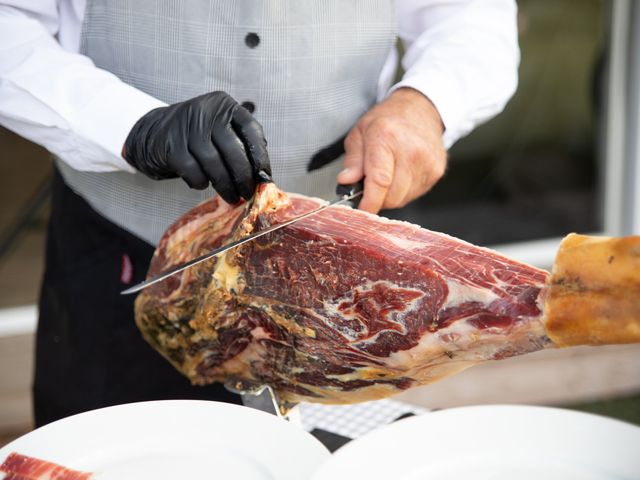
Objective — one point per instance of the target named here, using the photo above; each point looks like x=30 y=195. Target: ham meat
x=22 y=467
x=341 y=307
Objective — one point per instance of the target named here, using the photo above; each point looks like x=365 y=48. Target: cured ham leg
x=345 y=306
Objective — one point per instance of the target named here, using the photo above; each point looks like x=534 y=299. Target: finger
x=353 y=159
x=378 y=170
x=235 y=158
x=252 y=136
x=400 y=189
x=183 y=163
x=214 y=168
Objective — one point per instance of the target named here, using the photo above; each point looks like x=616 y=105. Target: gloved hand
x=207 y=139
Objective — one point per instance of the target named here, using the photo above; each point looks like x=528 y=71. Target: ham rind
x=22 y=467
x=341 y=307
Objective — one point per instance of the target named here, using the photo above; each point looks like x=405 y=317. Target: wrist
x=136 y=150
x=416 y=99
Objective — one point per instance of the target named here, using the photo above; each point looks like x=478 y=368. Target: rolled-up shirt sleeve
x=463 y=55
x=58 y=98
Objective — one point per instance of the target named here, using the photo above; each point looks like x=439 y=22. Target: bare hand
x=397 y=146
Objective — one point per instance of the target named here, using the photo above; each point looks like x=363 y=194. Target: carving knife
x=346 y=194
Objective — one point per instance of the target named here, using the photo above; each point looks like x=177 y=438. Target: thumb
x=353 y=158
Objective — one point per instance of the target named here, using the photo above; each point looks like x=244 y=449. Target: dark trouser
x=89 y=353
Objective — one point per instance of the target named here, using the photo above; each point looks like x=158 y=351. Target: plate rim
x=354 y=449
x=311 y=448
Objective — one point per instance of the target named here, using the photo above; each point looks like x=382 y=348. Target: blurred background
x=562 y=157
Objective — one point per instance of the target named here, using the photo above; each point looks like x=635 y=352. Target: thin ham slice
x=22 y=467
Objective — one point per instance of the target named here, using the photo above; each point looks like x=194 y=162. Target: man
x=144 y=103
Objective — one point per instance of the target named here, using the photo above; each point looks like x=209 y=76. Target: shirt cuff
x=113 y=111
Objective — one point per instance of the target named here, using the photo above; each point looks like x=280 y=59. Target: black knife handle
x=350 y=189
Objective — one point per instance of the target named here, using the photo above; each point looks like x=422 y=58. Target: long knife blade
x=351 y=195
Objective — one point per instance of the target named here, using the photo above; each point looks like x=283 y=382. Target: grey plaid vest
x=310 y=68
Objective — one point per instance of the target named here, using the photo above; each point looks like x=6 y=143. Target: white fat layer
x=432 y=344
x=460 y=293
x=468 y=343
x=226 y=276
x=403 y=243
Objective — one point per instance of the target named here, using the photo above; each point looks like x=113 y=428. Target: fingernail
x=344 y=171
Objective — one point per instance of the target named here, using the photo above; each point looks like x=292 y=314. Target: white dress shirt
x=462 y=54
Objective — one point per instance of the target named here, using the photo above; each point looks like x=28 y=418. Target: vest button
x=250 y=106
x=252 y=40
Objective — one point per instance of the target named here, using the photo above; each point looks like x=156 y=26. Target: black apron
x=89 y=352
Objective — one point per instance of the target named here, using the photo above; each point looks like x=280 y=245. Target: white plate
x=176 y=439
x=492 y=442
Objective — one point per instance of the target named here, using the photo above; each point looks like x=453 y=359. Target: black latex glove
x=207 y=139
